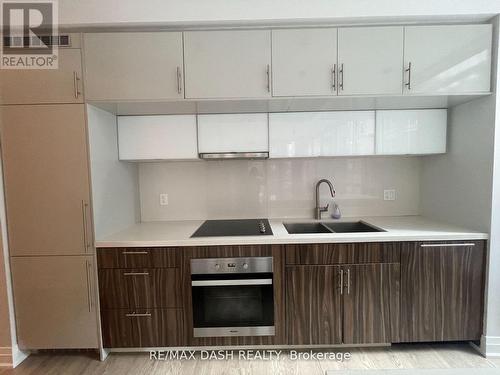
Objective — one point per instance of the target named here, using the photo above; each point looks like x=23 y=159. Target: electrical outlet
x=390 y=195
x=163 y=199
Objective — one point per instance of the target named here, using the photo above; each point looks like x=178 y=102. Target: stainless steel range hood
x=233 y=155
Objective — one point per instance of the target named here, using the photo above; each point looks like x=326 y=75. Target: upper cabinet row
x=391 y=60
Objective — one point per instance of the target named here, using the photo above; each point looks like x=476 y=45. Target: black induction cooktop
x=239 y=227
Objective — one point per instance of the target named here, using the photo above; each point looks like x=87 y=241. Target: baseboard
x=491 y=346
x=18 y=356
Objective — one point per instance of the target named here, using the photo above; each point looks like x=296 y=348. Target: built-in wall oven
x=233 y=296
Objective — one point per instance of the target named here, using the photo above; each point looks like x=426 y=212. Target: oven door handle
x=232 y=282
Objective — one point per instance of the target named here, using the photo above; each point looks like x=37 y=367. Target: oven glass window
x=233 y=306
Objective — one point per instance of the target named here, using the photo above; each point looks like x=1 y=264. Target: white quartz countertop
x=398 y=228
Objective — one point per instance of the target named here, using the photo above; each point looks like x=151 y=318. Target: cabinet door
x=447 y=59
x=228 y=64
x=309 y=134
x=370 y=60
x=313 y=305
x=157 y=137
x=442 y=288
x=55 y=302
x=371 y=303
x=241 y=133
x=46 y=177
x=402 y=132
x=304 y=62
x=130 y=66
x=61 y=85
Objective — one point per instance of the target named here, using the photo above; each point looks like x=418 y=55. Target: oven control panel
x=231 y=265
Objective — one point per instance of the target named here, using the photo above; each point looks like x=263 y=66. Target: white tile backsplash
x=278 y=187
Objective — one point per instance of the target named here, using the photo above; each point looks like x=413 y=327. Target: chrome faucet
x=318 y=210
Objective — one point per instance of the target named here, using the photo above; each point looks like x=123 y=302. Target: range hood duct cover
x=233 y=155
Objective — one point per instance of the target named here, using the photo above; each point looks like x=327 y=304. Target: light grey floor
x=414 y=359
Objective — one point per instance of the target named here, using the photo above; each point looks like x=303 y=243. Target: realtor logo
x=30 y=38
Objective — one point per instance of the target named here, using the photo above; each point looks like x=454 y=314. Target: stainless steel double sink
x=330 y=227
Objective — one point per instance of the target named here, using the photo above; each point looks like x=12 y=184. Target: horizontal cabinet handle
x=135 y=315
x=447 y=244
x=232 y=282
x=135 y=252
x=136 y=274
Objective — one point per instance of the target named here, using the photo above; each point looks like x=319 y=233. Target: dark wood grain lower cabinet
x=313 y=305
x=442 y=288
x=140 y=288
x=371 y=303
x=143 y=328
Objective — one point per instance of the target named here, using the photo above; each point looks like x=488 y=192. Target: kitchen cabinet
x=55 y=302
x=304 y=62
x=370 y=60
x=160 y=137
x=48 y=203
x=141 y=297
x=450 y=59
x=313 y=305
x=371 y=298
x=34 y=86
x=134 y=66
x=411 y=132
x=227 y=64
x=227 y=133
x=143 y=328
x=442 y=291
x=312 y=134
x=333 y=299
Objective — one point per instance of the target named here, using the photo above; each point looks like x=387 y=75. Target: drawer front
x=123 y=328
x=318 y=253
x=140 y=288
x=157 y=257
x=343 y=253
x=376 y=252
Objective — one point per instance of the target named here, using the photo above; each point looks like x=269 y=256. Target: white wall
x=115 y=190
x=174 y=12
x=277 y=188
x=456 y=186
x=493 y=283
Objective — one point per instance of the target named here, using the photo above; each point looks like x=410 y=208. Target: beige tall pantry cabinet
x=49 y=215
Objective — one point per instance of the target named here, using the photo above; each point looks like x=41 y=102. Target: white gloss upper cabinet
x=157 y=137
x=233 y=133
x=133 y=66
x=304 y=62
x=311 y=134
x=402 y=132
x=447 y=59
x=228 y=64
x=370 y=60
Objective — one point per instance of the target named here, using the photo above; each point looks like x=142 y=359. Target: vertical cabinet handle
x=408 y=84
x=341 y=77
x=76 y=80
x=334 y=81
x=179 y=78
x=86 y=242
x=90 y=293
x=341 y=281
x=348 y=281
x=268 y=75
